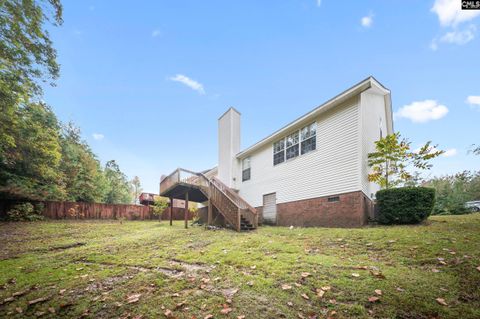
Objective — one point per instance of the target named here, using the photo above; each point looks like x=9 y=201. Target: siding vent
x=333 y=199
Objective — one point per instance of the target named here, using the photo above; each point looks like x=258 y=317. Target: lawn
x=102 y=269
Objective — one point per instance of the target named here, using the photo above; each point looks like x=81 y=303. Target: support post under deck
x=209 y=216
x=186 y=210
x=171 y=211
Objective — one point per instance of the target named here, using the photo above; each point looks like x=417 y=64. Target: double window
x=246 y=169
x=297 y=143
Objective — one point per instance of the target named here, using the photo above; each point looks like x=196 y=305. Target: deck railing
x=181 y=175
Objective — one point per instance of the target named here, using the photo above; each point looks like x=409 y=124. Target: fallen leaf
x=286 y=287
x=168 y=313
x=326 y=288
x=19 y=310
x=241 y=317
x=226 y=311
x=441 y=301
x=373 y=299
x=305 y=274
x=297 y=284
x=250 y=283
x=355 y=275
x=320 y=293
x=179 y=305
x=38 y=300
x=253 y=267
x=435 y=270
x=208 y=317
x=133 y=298
x=478 y=268
x=377 y=274
x=304 y=296
x=290 y=304
x=378 y=292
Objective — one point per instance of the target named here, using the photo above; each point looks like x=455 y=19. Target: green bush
x=405 y=205
x=25 y=212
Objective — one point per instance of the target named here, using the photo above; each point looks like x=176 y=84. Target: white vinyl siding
x=373 y=121
x=332 y=168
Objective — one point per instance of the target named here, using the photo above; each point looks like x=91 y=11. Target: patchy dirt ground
x=104 y=269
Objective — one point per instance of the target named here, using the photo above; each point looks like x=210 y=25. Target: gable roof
x=358 y=88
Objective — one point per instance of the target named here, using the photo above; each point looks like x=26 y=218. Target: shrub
x=406 y=205
x=25 y=212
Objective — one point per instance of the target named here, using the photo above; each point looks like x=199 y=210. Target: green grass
x=193 y=272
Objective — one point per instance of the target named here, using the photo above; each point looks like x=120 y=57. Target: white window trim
x=284 y=139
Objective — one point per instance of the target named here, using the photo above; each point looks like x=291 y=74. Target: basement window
x=279 y=152
x=333 y=199
x=246 y=169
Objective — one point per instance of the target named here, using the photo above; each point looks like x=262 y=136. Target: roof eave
x=345 y=95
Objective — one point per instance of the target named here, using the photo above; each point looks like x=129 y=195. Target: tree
x=83 y=176
x=475 y=149
x=392 y=158
x=160 y=204
x=26 y=57
x=119 y=190
x=137 y=188
x=32 y=169
x=454 y=190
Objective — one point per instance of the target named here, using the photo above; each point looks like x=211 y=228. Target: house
x=312 y=172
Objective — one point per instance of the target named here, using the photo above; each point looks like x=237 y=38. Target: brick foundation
x=352 y=210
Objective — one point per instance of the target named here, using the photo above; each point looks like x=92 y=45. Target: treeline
x=452 y=191
x=48 y=160
x=41 y=158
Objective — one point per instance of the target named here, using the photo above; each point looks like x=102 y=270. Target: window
x=298 y=143
x=292 y=146
x=279 y=152
x=333 y=199
x=309 y=138
x=246 y=169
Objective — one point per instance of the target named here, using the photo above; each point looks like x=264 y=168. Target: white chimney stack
x=228 y=145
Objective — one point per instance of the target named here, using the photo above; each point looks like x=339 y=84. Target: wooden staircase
x=237 y=212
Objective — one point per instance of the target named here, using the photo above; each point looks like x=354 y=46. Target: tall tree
x=27 y=58
x=83 y=176
x=119 y=190
x=137 y=188
x=32 y=170
x=393 y=157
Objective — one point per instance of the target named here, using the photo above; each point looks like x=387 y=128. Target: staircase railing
x=247 y=211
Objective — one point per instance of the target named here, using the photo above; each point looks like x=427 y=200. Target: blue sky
x=147 y=82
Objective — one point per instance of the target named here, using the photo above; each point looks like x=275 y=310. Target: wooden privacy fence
x=77 y=210
x=74 y=210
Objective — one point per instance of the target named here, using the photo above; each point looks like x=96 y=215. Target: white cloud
x=474 y=101
x=450 y=152
x=459 y=37
x=98 y=136
x=194 y=85
x=450 y=13
x=422 y=111
x=367 y=21
x=319 y=3
x=447 y=153
x=156 y=33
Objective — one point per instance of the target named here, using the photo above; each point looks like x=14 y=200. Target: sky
x=146 y=82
